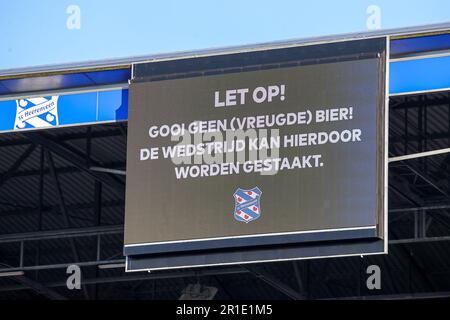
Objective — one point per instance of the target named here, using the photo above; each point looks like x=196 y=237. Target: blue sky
x=34 y=32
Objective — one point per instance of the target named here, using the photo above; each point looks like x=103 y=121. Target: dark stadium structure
x=62 y=197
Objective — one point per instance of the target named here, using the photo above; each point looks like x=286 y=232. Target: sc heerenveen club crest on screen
x=246 y=204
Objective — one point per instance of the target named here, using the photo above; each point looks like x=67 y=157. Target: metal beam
x=144 y=277
x=62 y=170
x=432 y=184
x=73 y=207
x=419 y=155
x=63 y=265
x=437 y=102
x=420 y=240
x=8 y=174
x=109 y=170
x=39 y=288
x=407 y=195
x=66 y=137
x=400 y=138
x=426 y=179
x=275 y=283
x=421 y=208
x=400 y=296
x=118 y=229
x=61 y=233
x=76 y=160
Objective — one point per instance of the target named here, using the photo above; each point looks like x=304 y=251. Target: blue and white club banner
x=36 y=112
x=33 y=113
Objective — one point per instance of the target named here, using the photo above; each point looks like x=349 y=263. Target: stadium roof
x=56 y=209
x=119 y=63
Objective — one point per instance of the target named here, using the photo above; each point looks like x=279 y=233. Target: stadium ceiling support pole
x=98 y=222
x=295 y=265
x=77 y=161
x=61 y=204
x=275 y=283
x=406 y=130
x=40 y=204
x=88 y=146
x=405 y=254
x=63 y=209
x=41 y=187
x=122 y=130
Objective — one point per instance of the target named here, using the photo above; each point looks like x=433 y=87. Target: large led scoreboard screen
x=276 y=162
